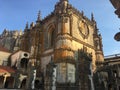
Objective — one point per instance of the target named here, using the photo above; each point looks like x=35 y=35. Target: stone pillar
x=5 y=78
x=63 y=44
x=31 y=75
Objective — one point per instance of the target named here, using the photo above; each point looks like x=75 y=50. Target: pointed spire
x=96 y=26
x=26 y=27
x=96 y=29
x=92 y=17
x=39 y=16
x=32 y=25
x=64 y=6
x=82 y=13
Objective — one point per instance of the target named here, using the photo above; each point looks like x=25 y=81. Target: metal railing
x=112 y=56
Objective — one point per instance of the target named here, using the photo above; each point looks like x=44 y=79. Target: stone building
x=4 y=55
x=63 y=48
x=55 y=43
x=107 y=75
x=11 y=39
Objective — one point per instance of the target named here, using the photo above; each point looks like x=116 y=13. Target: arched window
x=52 y=38
x=51 y=33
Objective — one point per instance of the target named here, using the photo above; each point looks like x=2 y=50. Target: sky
x=15 y=13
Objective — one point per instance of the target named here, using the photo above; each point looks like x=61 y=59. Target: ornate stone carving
x=83 y=28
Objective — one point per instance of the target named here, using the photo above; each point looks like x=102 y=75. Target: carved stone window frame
x=51 y=34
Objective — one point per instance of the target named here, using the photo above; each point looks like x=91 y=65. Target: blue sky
x=15 y=13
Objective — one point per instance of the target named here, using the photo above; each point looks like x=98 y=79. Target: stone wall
x=11 y=39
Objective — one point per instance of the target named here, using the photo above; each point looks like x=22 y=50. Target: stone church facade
x=63 y=50
x=58 y=38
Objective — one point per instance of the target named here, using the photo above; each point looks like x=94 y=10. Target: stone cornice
x=65 y=49
x=47 y=17
x=70 y=60
x=64 y=36
x=82 y=42
x=99 y=52
x=71 y=8
x=79 y=14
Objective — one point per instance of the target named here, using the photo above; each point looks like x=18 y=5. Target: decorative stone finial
x=32 y=25
x=92 y=17
x=82 y=13
x=26 y=27
x=96 y=29
x=39 y=16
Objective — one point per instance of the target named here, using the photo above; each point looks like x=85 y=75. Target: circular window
x=25 y=54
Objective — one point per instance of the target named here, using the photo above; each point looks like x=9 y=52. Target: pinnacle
x=92 y=17
x=26 y=26
x=39 y=16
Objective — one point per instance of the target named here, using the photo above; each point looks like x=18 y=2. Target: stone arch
x=51 y=34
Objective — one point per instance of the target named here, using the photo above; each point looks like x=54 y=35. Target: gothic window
x=51 y=37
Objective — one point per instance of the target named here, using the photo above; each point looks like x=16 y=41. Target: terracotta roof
x=6 y=69
x=4 y=49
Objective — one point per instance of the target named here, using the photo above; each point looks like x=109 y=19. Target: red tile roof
x=3 y=49
x=6 y=69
